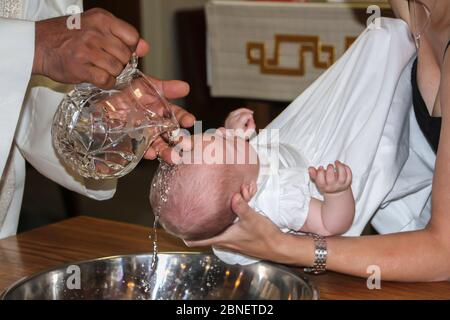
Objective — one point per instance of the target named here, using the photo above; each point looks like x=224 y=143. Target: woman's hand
x=171 y=90
x=253 y=235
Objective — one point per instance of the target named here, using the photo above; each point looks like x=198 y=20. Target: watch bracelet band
x=320 y=255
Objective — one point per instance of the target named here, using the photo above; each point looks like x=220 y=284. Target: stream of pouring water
x=155 y=244
x=162 y=183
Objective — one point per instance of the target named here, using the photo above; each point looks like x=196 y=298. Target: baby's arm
x=334 y=215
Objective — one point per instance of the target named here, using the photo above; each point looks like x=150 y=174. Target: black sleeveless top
x=430 y=126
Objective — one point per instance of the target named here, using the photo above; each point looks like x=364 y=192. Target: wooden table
x=87 y=238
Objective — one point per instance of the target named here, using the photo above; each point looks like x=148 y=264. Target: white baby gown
x=357 y=112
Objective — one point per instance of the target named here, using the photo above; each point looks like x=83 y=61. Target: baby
x=363 y=121
x=193 y=199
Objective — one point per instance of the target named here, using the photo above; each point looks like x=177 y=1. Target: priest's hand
x=95 y=53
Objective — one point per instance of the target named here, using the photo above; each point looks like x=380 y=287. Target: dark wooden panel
x=127 y=10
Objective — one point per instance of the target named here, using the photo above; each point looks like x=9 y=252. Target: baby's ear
x=249 y=190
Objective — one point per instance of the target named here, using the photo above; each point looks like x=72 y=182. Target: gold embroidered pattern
x=308 y=44
x=257 y=54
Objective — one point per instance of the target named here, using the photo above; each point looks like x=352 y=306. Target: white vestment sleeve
x=47 y=9
x=34 y=132
x=35 y=143
x=16 y=64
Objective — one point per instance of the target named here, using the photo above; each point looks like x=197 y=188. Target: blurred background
x=207 y=48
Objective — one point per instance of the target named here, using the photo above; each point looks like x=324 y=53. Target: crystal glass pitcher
x=103 y=134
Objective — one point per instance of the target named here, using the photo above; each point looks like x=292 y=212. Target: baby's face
x=209 y=149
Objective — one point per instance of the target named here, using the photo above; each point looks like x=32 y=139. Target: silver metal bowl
x=178 y=276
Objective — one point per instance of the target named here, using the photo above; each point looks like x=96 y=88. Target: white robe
x=27 y=112
x=358 y=112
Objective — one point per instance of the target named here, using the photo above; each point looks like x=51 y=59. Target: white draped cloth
x=358 y=112
x=27 y=111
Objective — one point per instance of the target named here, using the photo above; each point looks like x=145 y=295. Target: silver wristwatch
x=320 y=255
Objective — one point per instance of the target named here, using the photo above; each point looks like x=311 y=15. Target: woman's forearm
x=415 y=256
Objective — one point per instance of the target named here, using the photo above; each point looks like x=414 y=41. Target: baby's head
x=193 y=199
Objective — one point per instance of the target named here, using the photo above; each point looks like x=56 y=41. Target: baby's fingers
x=342 y=173
x=313 y=173
x=330 y=175
x=320 y=180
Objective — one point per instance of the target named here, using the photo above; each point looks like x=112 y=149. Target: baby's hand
x=241 y=121
x=332 y=180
